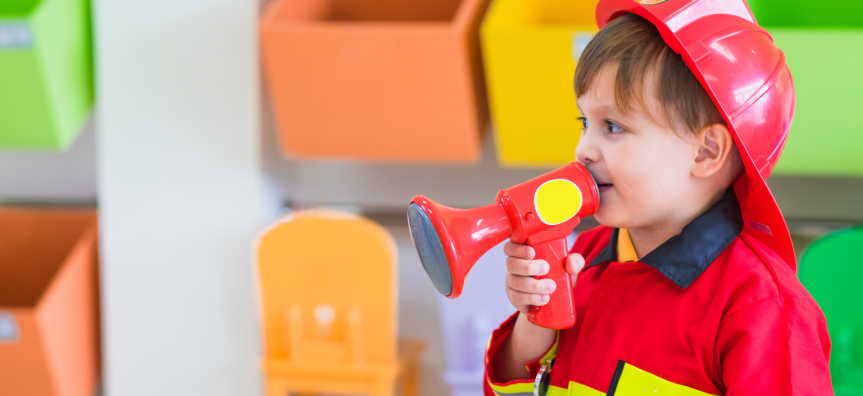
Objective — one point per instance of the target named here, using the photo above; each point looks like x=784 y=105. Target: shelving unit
x=190 y=168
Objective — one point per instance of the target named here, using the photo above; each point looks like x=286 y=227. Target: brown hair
x=635 y=46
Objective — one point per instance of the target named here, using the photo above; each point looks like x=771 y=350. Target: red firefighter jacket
x=710 y=311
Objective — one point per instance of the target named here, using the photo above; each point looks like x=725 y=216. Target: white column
x=181 y=195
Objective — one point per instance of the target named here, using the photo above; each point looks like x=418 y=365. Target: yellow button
x=557 y=201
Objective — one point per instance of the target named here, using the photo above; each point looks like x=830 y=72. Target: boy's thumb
x=574 y=263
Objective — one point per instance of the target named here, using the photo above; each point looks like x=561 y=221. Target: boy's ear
x=714 y=145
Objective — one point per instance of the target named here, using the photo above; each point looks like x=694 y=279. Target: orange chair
x=329 y=298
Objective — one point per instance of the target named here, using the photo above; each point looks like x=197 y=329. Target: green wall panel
x=808 y=13
x=827 y=132
x=823 y=45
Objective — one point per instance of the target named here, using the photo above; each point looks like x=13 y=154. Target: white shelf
x=389 y=187
x=51 y=177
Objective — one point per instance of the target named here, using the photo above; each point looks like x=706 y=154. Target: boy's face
x=643 y=169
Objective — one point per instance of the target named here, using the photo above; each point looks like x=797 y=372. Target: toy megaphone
x=540 y=212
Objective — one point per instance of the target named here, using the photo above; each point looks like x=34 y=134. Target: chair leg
x=383 y=388
x=277 y=387
x=410 y=379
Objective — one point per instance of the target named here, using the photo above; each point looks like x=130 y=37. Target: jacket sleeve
x=778 y=346
x=491 y=387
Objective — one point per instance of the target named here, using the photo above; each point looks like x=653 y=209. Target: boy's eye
x=614 y=128
x=583 y=121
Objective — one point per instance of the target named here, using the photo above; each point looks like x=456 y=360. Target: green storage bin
x=46 y=83
x=832 y=271
x=823 y=44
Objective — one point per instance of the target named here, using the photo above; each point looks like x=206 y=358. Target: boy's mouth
x=604 y=186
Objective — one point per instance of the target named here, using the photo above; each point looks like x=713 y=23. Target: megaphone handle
x=559 y=312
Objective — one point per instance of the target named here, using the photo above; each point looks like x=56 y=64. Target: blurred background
x=161 y=161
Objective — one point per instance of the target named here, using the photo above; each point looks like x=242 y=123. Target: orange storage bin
x=49 y=343
x=388 y=80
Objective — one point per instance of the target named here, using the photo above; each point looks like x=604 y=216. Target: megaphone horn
x=449 y=241
x=540 y=212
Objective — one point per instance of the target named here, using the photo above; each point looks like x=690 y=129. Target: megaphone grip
x=559 y=312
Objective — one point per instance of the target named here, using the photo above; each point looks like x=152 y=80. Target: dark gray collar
x=685 y=256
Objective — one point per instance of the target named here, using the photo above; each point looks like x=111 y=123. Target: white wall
x=181 y=195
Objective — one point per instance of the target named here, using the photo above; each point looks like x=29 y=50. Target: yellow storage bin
x=530 y=49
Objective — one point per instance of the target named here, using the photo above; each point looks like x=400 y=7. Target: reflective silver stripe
x=540 y=384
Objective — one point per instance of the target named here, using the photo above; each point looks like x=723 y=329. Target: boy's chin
x=607 y=218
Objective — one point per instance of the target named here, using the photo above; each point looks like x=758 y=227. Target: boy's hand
x=521 y=288
x=527 y=341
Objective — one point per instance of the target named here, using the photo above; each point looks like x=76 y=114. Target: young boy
x=688 y=287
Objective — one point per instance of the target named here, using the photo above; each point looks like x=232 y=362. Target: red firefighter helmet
x=746 y=76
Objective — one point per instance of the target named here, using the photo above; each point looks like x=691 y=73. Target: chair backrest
x=832 y=271
x=333 y=275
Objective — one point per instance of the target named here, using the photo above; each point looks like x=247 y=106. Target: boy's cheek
x=612 y=212
x=623 y=209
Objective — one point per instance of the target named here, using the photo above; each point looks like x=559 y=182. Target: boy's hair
x=635 y=46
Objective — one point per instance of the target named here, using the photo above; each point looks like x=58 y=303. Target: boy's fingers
x=518 y=250
x=520 y=298
x=517 y=266
x=515 y=299
x=574 y=263
x=527 y=284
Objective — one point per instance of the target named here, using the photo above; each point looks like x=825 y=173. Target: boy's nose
x=586 y=151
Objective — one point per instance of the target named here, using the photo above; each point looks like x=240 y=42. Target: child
x=688 y=287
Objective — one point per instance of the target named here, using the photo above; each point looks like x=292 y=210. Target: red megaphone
x=540 y=212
